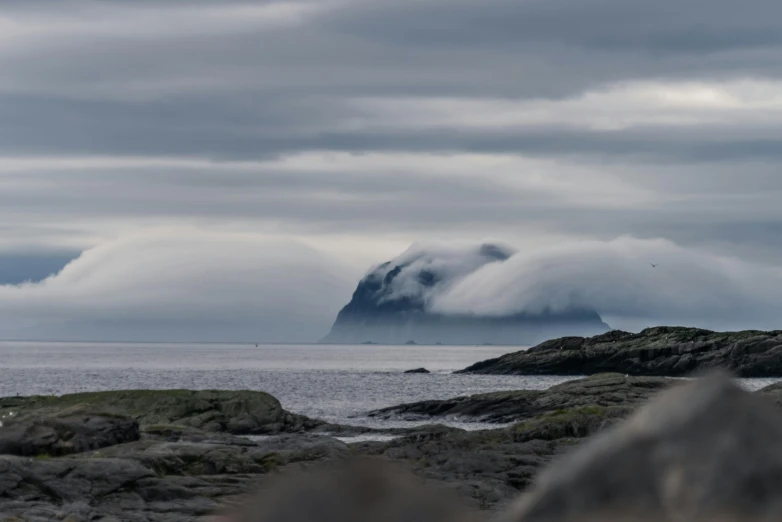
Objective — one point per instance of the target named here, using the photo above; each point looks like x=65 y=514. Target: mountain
x=396 y=302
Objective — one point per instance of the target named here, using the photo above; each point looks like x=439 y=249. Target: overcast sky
x=330 y=135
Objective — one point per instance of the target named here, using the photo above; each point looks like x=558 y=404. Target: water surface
x=337 y=383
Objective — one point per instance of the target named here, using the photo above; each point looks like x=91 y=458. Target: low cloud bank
x=189 y=285
x=616 y=278
x=180 y=285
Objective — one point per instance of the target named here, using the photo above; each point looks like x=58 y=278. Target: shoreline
x=228 y=442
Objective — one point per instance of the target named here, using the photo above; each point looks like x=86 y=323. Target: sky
x=202 y=170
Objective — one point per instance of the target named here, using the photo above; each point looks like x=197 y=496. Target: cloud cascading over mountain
x=394 y=303
x=184 y=284
x=469 y=293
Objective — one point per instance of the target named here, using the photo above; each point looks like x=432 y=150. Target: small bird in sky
x=653 y=265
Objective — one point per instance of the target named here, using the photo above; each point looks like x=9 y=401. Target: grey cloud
x=185 y=285
x=275 y=90
x=697 y=26
x=168 y=81
x=688 y=287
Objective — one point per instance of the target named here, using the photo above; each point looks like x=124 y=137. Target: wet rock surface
x=663 y=351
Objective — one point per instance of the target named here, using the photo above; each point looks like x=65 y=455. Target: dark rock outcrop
x=598 y=391
x=668 y=351
x=55 y=436
x=418 y=370
x=702 y=452
x=379 y=312
x=238 y=412
x=151 y=480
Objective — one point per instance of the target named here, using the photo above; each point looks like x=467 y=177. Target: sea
x=336 y=383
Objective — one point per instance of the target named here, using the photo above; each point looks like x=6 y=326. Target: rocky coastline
x=180 y=455
x=659 y=351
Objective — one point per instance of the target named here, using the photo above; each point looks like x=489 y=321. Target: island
x=391 y=305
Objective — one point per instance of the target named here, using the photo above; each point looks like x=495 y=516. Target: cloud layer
x=616 y=278
x=357 y=127
x=182 y=285
x=187 y=285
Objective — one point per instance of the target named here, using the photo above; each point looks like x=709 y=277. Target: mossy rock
x=237 y=412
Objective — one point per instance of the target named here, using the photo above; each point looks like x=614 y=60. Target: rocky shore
x=662 y=351
x=186 y=455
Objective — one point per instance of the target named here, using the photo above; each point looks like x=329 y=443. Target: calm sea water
x=334 y=383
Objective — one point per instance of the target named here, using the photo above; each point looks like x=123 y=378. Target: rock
x=152 y=479
x=702 y=452
x=54 y=436
x=491 y=467
x=355 y=491
x=238 y=412
x=418 y=370
x=602 y=390
x=390 y=306
x=655 y=351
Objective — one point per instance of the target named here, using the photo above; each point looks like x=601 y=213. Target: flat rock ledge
x=660 y=351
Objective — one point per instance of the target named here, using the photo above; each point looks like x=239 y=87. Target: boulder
x=418 y=370
x=706 y=451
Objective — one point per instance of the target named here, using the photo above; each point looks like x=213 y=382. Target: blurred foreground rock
x=355 y=491
x=708 y=451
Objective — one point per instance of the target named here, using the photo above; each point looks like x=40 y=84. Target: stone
x=707 y=451
x=418 y=370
